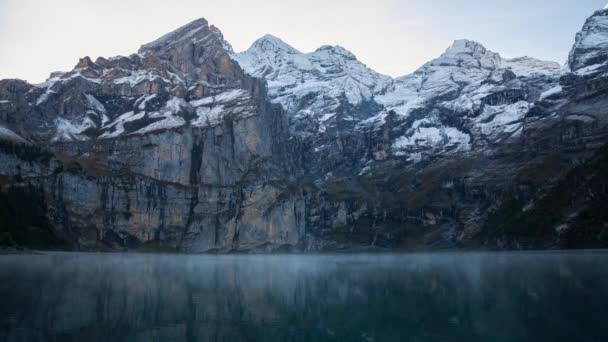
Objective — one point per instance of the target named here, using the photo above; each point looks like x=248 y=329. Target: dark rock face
x=178 y=148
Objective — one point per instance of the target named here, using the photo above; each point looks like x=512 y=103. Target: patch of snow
x=95 y=104
x=403 y=96
x=8 y=134
x=174 y=105
x=555 y=90
x=230 y=95
x=50 y=82
x=580 y=117
x=365 y=171
x=457 y=138
x=118 y=124
x=144 y=100
x=526 y=66
x=373 y=122
x=71 y=131
x=426 y=133
x=79 y=75
x=413 y=157
x=327 y=117
x=167 y=115
x=139 y=76
x=502 y=119
x=202 y=102
x=104 y=120
x=44 y=96
x=222 y=98
x=168 y=122
x=424 y=136
x=175 y=77
x=208 y=116
x=588 y=70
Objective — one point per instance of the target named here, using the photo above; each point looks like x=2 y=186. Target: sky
x=393 y=37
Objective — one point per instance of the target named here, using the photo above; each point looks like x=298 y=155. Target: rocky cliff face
x=189 y=146
x=173 y=147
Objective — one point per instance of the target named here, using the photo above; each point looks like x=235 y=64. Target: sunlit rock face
x=189 y=146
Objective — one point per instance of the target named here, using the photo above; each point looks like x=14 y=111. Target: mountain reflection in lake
x=426 y=297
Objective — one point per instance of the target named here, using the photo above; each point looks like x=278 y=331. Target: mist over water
x=414 y=297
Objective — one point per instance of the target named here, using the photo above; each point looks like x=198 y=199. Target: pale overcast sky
x=391 y=36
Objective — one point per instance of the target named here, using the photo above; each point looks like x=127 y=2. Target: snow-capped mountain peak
x=272 y=43
x=335 y=50
x=184 y=78
x=329 y=88
x=467 y=53
x=466 y=46
x=315 y=84
x=591 y=44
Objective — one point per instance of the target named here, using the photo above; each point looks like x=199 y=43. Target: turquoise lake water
x=408 y=297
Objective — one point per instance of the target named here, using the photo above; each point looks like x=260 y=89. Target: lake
x=554 y=296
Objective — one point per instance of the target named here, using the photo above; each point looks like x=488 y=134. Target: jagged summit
x=144 y=92
x=184 y=32
x=272 y=43
x=313 y=87
x=336 y=50
x=471 y=54
x=465 y=45
x=467 y=53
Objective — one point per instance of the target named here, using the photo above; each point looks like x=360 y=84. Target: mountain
x=320 y=90
x=174 y=147
x=465 y=100
x=189 y=146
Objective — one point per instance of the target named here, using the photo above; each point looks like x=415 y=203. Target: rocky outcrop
x=188 y=146
x=173 y=148
x=589 y=49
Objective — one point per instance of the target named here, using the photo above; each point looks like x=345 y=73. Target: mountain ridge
x=189 y=146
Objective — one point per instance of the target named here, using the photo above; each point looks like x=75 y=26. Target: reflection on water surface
x=415 y=297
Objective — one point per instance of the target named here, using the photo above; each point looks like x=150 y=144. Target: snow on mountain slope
x=447 y=93
x=461 y=78
x=452 y=92
x=469 y=96
x=185 y=77
x=591 y=45
x=188 y=77
x=527 y=66
x=314 y=85
x=152 y=101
